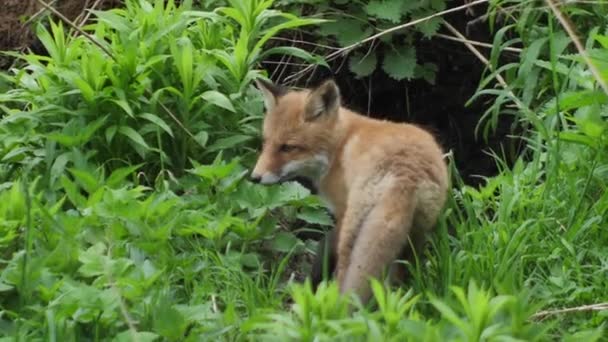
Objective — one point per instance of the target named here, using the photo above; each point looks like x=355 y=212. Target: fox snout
x=258 y=175
x=265 y=178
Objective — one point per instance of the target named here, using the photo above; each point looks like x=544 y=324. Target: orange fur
x=385 y=182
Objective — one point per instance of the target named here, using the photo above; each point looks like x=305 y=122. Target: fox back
x=385 y=182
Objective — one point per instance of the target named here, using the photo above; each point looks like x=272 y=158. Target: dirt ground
x=17 y=16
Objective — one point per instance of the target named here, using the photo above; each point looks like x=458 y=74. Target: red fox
x=385 y=182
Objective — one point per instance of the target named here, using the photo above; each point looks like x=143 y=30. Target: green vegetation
x=350 y=22
x=125 y=213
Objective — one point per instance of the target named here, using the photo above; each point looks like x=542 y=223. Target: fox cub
x=385 y=182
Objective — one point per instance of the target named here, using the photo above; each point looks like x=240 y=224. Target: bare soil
x=17 y=26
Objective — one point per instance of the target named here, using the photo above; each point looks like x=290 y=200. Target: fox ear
x=270 y=91
x=323 y=101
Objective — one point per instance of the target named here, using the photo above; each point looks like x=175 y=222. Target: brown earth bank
x=16 y=16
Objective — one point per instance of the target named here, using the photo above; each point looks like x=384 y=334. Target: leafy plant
x=95 y=246
x=352 y=21
x=157 y=83
x=322 y=316
x=126 y=247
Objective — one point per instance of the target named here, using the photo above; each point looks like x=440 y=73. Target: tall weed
x=159 y=84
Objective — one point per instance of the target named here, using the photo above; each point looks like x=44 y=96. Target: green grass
x=115 y=224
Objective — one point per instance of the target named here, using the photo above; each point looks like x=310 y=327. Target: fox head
x=297 y=132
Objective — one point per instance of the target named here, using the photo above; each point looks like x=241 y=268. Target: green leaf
x=169 y=322
x=218 y=99
x=284 y=242
x=427 y=71
x=589 y=121
x=385 y=9
x=87 y=92
x=251 y=260
x=5 y=287
x=448 y=313
x=88 y=182
x=125 y=106
x=296 y=52
x=578 y=138
x=229 y=142
x=201 y=138
x=93 y=260
x=72 y=191
x=114 y=20
x=315 y=216
x=603 y=40
x=110 y=133
x=400 y=63
x=141 y=336
x=429 y=27
x=576 y=99
x=120 y=174
x=15 y=154
x=59 y=166
x=133 y=135
x=158 y=122
x=346 y=31
x=65 y=139
x=363 y=65
x=292 y=23
x=286 y=193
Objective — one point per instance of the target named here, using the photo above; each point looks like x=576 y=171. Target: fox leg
x=398 y=272
x=347 y=230
x=383 y=235
x=430 y=199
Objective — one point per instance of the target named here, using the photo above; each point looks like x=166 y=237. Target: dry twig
x=347 y=49
x=485 y=61
x=88 y=12
x=36 y=15
x=577 y=42
x=582 y=308
x=75 y=27
x=474 y=42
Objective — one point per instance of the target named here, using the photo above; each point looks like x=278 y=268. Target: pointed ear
x=323 y=101
x=270 y=91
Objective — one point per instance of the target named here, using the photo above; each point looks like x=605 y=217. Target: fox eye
x=285 y=148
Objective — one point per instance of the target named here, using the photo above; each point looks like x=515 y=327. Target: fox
x=386 y=183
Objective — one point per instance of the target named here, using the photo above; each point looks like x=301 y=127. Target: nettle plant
x=155 y=83
x=70 y=274
x=352 y=21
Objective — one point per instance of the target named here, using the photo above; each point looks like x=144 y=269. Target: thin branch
x=37 y=14
x=347 y=49
x=476 y=43
x=174 y=117
x=582 y=308
x=506 y=11
x=328 y=47
x=284 y=63
x=485 y=61
x=476 y=52
x=88 y=12
x=579 y=46
x=84 y=9
x=75 y=27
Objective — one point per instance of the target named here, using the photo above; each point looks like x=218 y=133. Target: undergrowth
x=125 y=212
